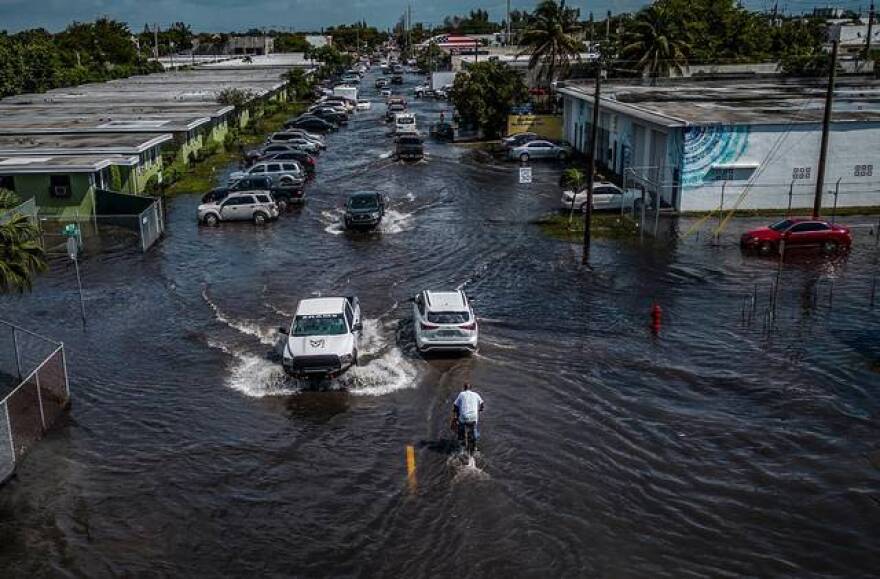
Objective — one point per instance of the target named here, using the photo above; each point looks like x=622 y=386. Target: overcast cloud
x=229 y=15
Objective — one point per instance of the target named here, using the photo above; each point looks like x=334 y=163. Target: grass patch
x=201 y=176
x=604 y=226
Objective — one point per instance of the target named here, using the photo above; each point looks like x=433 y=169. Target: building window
x=801 y=173
x=863 y=171
x=7 y=182
x=59 y=186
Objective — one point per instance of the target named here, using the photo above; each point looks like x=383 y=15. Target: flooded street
x=718 y=448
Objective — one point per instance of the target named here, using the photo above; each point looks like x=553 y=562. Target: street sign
x=525 y=175
x=70 y=230
x=72 y=247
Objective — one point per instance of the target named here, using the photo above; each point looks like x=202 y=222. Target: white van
x=405 y=124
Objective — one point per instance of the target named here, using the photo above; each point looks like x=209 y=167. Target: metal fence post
x=66 y=377
x=836 y=193
x=642 y=219
x=17 y=352
x=40 y=399
x=790 y=195
x=657 y=212
x=9 y=432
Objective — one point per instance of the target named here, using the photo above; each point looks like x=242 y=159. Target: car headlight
x=346 y=358
x=374 y=215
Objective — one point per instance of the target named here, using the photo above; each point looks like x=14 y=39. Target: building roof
x=58 y=164
x=746 y=102
x=115 y=110
x=89 y=144
x=35 y=124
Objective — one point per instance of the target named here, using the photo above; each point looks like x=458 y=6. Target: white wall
x=777 y=151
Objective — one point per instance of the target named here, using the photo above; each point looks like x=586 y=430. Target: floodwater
x=724 y=446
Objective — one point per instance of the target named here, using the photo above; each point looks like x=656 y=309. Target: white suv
x=256 y=206
x=605 y=196
x=323 y=337
x=444 y=321
x=405 y=124
x=282 y=173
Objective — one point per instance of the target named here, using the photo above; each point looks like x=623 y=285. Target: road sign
x=72 y=247
x=525 y=174
x=70 y=230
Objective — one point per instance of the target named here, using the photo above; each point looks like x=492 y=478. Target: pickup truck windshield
x=320 y=325
x=364 y=203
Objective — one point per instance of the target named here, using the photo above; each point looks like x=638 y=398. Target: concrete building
x=62 y=186
x=698 y=144
x=146 y=147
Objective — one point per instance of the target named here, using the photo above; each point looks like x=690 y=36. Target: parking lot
x=739 y=441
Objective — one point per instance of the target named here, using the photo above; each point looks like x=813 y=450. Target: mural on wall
x=708 y=145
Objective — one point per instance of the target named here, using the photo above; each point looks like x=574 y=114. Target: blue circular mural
x=708 y=145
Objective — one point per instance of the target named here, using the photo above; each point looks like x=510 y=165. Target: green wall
x=37 y=185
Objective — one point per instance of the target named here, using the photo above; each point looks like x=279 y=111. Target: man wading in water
x=466 y=416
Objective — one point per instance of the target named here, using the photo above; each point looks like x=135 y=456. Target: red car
x=797 y=233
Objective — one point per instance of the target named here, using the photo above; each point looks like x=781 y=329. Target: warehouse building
x=705 y=145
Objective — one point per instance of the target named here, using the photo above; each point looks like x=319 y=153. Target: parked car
x=286 y=174
x=256 y=206
x=364 y=210
x=539 y=149
x=317 y=139
x=284 y=195
x=518 y=139
x=312 y=116
x=409 y=148
x=312 y=124
x=444 y=321
x=322 y=340
x=332 y=107
x=443 y=132
x=405 y=124
x=363 y=105
x=605 y=196
x=290 y=137
x=306 y=161
x=382 y=82
x=393 y=111
x=797 y=233
x=396 y=100
x=330 y=114
x=303 y=144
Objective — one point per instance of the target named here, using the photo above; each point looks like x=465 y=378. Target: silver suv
x=256 y=206
x=284 y=174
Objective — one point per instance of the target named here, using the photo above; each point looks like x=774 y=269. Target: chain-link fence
x=34 y=391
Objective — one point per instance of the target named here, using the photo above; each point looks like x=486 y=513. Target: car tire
x=212 y=220
x=830 y=247
x=260 y=218
x=765 y=248
x=282 y=205
x=524 y=157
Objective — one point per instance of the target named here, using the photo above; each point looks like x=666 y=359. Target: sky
x=237 y=15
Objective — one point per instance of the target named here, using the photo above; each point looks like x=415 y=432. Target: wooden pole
x=591 y=162
x=826 y=129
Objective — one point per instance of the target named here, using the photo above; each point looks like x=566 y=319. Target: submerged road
x=714 y=449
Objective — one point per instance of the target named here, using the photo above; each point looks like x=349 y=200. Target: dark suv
x=409 y=148
x=284 y=196
x=364 y=210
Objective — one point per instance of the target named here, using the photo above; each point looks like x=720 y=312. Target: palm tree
x=21 y=255
x=575 y=179
x=657 y=43
x=549 y=40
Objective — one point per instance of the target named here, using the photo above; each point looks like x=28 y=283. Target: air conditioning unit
x=61 y=191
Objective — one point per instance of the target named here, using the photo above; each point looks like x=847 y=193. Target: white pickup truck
x=323 y=338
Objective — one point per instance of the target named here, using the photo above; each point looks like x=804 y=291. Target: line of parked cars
x=276 y=173
x=324 y=336
x=524 y=147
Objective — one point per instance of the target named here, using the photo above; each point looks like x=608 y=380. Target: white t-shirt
x=468 y=404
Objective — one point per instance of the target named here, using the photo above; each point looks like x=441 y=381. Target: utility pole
x=507 y=40
x=591 y=162
x=870 y=30
x=826 y=129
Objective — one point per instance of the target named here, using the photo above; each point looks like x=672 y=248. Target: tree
x=299 y=82
x=575 y=179
x=432 y=58
x=656 y=42
x=550 y=41
x=21 y=256
x=484 y=95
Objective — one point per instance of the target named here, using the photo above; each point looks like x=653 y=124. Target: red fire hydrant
x=656 y=317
